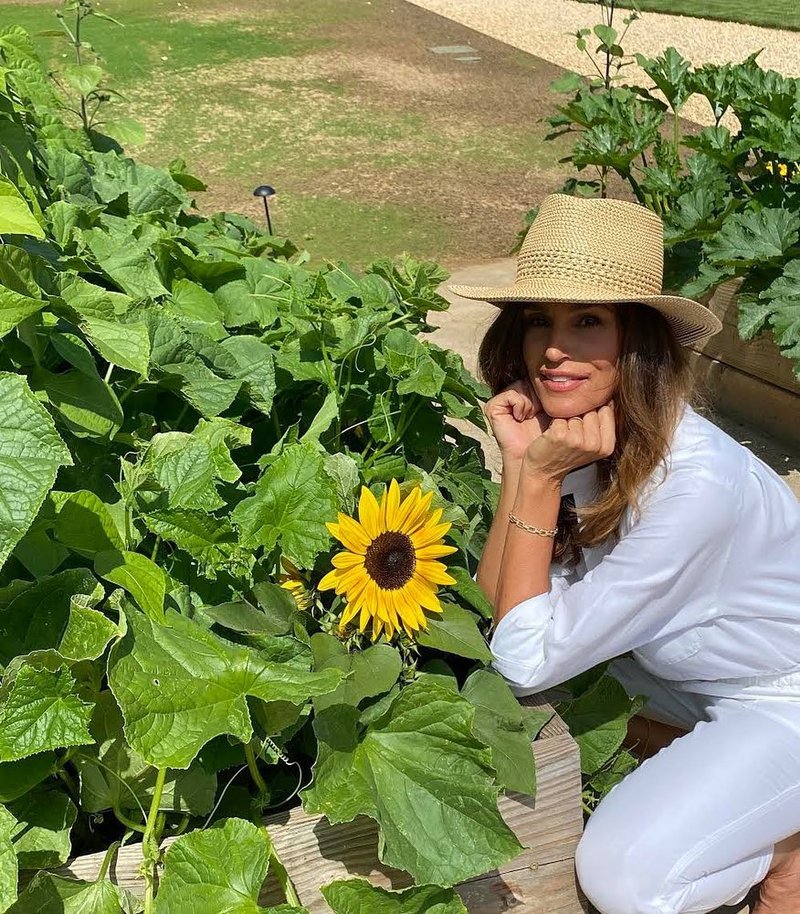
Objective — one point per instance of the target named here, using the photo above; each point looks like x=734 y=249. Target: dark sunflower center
x=390 y=560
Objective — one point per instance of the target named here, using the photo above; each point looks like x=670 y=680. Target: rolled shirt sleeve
x=657 y=580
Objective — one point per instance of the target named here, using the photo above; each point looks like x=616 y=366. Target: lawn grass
x=375 y=145
x=775 y=14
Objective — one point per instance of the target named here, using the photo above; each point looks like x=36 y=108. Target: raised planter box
x=541 y=880
x=750 y=380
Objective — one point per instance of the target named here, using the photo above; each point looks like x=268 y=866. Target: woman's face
x=574 y=339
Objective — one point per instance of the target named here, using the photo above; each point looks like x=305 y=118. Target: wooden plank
x=315 y=852
x=735 y=393
x=759 y=358
x=549 y=889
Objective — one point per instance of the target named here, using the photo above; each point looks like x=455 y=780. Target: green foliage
x=730 y=202
x=185 y=406
x=352 y=896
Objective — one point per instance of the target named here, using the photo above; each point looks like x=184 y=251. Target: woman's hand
x=571 y=443
x=516 y=418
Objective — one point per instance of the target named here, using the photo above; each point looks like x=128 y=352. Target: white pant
x=694 y=826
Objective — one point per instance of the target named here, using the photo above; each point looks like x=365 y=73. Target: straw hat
x=597 y=250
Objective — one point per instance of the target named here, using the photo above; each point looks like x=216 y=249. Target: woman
x=681 y=560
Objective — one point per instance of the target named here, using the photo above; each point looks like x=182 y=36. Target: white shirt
x=703 y=588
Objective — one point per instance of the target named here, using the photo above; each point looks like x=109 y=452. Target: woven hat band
x=574 y=267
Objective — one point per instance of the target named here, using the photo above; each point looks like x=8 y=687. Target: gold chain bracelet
x=540 y=530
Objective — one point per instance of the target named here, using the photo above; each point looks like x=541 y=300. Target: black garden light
x=265 y=191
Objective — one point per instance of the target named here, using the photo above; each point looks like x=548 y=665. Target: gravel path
x=540 y=27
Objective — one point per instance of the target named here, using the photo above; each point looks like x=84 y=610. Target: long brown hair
x=654 y=380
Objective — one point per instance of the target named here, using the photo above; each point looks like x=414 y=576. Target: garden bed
x=541 y=880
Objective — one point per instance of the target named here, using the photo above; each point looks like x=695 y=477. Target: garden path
x=542 y=28
x=462 y=327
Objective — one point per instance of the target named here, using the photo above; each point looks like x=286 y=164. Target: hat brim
x=691 y=321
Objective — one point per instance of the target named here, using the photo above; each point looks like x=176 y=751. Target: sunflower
x=388 y=571
x=292 y=580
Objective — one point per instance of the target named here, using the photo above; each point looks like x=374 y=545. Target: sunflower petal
x=351 y=559
x=392 y=505
x=435 y=572
x=330 y=580
x=418 y=516
x=423 y=594
x=408 y=506
x=369 y=513
x=435 y=551
x=427 y=536
x=349 y=613
x=353 y=535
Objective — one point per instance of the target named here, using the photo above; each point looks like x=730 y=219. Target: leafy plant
x=187 y=411
x=730 y=202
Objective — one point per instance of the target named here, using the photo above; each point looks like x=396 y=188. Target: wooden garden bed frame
x=541 y=880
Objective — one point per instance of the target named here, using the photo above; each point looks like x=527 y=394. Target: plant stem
x=128 y=823
x=150 y=841
x=252 y=764
x=277 y=867
x=110 y=368
x=107 y=861
x=157 y=543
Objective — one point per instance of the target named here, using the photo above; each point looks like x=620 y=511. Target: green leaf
x=373 y=671
x=598 y=721
x=355 y=896
x=113 y=776
x=407 y=359
x=219 y=869
x=209 y=540
x=255 y=366
x=751 y=238
x=179 y=686
x=83 y=78
x=455 y=631
x=418 y=770
x=45 y=817
x=8 y=860
x=125 y=130
x=88 y=407
x=84 y=523
x=49 y=893
x=31 y=452
x=42 y=711
x=102 y=315
x=42 y=615
x=17 y=778
x=128 y=261
x=15 y=215
x=292 y=501
x=506 y=727
x=136 y=574
x=467 y=588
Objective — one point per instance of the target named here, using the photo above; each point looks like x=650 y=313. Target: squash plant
x=730 y=201
x=191 y=421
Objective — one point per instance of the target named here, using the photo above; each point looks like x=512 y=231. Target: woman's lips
x=562 y=387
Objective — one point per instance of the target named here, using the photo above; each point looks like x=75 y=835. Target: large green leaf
x=179 y=685
x=31 y=452
x=113 y=776
x=88 y=407
x=598 y=721
x=49 y=893
x=8 y=860
x=216 y=871
x=357 y=896
x=751 y=238
x=292 y=501
x=137 y=574
x=85 y=523
x=17 y=778
x=370 y=672
x=455 y=631
x=407 y=359
x=418 y=770
x=56 y=613
x=42 y=710
x=45 y=817
x=102 y=315
x=506 y=727
x=15 y=215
